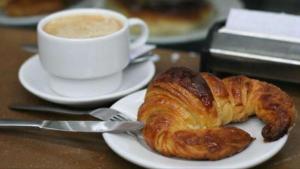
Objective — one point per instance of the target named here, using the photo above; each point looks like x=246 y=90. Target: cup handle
x=143 y=37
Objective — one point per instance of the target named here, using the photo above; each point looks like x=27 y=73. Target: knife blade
x=77 y=126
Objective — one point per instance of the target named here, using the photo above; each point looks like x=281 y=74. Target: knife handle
x=20 y=123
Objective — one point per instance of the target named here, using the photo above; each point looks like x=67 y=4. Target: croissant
x=184 y=113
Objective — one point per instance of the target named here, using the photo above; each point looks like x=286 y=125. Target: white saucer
x=130 y=149
x=34 y=79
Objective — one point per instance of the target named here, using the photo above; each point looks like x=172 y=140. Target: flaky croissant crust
x=184 y=112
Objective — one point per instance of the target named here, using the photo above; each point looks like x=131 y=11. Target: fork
x=100 y=113
x=123 y=117
x=137 y=133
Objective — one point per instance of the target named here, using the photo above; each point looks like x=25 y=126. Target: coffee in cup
x=83 y=26
x=84 y=51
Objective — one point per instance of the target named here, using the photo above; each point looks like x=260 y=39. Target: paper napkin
x=278 y=26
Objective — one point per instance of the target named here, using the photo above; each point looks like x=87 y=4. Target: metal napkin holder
x=252 y=56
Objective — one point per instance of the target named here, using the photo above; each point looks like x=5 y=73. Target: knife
x=77 y=126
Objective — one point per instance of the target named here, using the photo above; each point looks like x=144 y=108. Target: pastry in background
x=3 y=3
x=32 y=7
x=166 y=17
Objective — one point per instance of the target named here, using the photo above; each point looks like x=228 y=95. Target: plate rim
x=66 y=100
x=257 y=161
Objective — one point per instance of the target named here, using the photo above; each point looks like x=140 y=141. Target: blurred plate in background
x=222 y=8
x=175 y=21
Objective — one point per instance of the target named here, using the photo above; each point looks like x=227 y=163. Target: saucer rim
x=62 y=99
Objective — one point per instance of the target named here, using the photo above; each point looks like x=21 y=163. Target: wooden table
x=34 y=149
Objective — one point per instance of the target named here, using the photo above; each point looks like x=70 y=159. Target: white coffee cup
x=90 y=66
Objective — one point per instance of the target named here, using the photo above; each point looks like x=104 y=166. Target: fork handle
x=49 y=109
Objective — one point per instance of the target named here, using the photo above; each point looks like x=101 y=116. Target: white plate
x=32 y=20
x=34 y=79
x=130 y=149
x=222 y=8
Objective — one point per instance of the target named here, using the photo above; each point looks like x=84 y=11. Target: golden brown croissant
x=183 y=113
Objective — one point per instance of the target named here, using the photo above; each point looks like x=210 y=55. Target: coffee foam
x=83 y=26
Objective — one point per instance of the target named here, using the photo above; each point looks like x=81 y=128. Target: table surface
x=20 y=148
